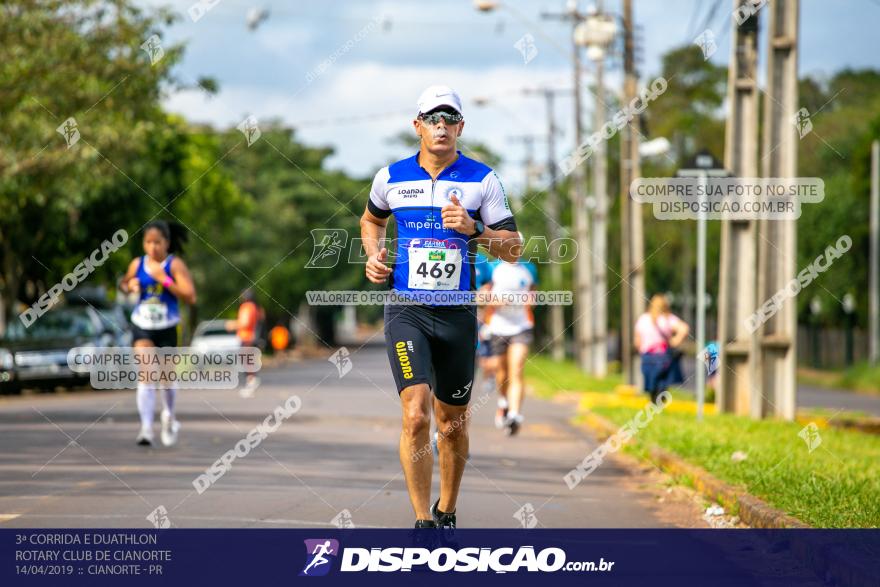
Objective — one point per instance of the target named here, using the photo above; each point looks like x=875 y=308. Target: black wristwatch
x=479 y=227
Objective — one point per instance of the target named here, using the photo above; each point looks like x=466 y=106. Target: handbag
x=673 y=353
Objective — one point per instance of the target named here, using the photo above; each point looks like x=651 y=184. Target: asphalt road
x=70 y=460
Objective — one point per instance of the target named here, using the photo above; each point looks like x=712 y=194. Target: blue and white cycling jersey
x=427 y=255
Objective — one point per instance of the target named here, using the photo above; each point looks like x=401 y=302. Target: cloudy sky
x=347 y=73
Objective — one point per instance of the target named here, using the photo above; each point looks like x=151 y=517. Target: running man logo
x=526 y=516
x=153 y=48
x=802 y=122
x=327 y=247
x=159 y=518
x=810 y=435
x=403 y=357
x=526 y=47
x=437 y=256
x=341 y=359
x=343 y=520
x=70 y=131
x=709 y=357
x=250 y=128
x=320 y=553
x=706 y=42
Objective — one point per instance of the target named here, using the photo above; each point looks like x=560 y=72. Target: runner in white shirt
x=511 y=326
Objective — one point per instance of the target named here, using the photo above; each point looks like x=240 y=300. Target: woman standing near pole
x=658 y=334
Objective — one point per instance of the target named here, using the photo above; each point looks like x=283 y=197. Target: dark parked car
x=37 y=356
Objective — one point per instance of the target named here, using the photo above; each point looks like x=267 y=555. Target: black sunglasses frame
x=433 y=118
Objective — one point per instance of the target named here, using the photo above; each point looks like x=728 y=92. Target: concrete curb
x=751 y=510
x=817 y=550
x=864 y=425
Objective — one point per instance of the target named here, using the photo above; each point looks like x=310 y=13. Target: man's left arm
x=499 y=235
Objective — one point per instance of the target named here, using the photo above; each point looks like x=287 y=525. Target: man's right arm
x=372 y=232
x=373 y=223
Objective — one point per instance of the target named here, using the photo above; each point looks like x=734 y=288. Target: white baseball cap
x=435 y=96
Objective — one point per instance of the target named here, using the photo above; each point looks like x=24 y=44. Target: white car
x=211 y=335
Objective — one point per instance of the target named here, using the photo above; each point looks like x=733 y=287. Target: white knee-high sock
x=146 y=402
x=169 y=396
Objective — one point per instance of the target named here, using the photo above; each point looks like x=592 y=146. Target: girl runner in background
x=512 y=329
x=162 y=279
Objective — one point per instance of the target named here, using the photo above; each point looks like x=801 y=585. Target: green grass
x=547 y=377
x=861 y=377
x=837 y=485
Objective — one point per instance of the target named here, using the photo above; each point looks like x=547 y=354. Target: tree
x=77 y=59
x=288 y=194
x=845 y=114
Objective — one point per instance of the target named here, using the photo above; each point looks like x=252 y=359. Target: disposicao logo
x=320 y=554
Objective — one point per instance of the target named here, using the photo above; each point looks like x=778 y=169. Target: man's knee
x=416 y=423
x=416 y=417
x=454 y=430
x=452 y=426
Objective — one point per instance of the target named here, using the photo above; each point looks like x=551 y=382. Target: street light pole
x=583 y=262
x=596 y=32
x=557 y=318
x=583 y=321
x=631 y=248
x=703 y=167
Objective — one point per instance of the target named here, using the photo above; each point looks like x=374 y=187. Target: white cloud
x=384 y=96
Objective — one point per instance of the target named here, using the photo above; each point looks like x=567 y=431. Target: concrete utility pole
x=600 y=221
x=596 y=33
x=551 y=206
x=739 y=388
x=583 y=294
x=777 y=245
x=631 y=238
x=874 y=258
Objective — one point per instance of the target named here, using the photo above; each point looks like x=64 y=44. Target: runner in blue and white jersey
x=161 y=279
x=444 y=204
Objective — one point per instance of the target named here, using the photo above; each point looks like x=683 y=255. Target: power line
x=694 y=12
x=710 y=15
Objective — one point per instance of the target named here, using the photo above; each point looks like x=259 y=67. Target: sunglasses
x=435 y=117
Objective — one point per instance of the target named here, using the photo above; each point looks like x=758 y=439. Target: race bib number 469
x=434 y=264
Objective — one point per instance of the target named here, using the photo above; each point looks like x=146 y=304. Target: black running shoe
x=442 y=519
x=421 y=524
x=512 y=424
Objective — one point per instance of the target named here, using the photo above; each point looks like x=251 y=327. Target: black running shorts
x=433 y=345
x=500 y=344
x=160 y=338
